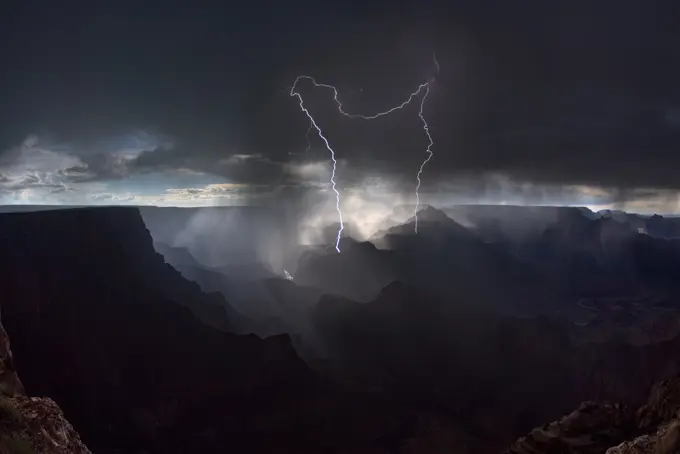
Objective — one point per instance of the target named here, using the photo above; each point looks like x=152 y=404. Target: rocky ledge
x=600 y=428
x=36 y=425
x=30 y=425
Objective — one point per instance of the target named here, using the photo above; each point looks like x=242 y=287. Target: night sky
x=187 y=103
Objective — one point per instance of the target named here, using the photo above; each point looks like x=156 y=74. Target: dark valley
x=466 y=345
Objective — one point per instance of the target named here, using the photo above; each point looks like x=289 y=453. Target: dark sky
x=545 y=91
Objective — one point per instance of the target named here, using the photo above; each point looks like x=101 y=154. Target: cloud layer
x=536 y=101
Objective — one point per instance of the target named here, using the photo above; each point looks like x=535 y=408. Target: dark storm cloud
x=545 y=91
x=237 y=168
x=41 y=163
x=611 y=141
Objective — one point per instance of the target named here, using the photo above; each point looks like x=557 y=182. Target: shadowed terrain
x=452 y=341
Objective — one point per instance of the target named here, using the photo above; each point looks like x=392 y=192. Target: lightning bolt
x=428 y=150
x=312 y=122
x=424 y=86
x=363 y=117
x=430 y=144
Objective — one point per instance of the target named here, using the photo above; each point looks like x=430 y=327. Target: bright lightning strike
x=428 y=151
x=430 y=144
x=335 y=163
x=364 y=117
x=425 y=86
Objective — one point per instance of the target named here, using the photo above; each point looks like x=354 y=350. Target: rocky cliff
x=30 y=424
x=107 y=250
x=599 y=428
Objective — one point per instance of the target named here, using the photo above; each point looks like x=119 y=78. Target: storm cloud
x=541 y=96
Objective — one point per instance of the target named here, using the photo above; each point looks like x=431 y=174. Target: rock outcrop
x=666 y=440
x=590 y=429
x=613 y=429
x=36 y=425
x=30 y=424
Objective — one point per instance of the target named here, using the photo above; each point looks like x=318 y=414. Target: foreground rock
x=612 y=429
x=590 y=429
x=30 y=424
x=666 y=440
x=36 y=425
